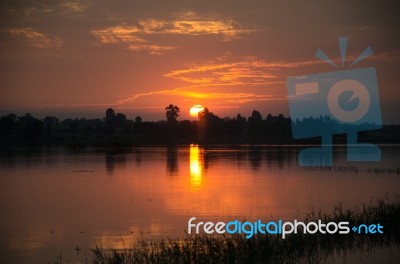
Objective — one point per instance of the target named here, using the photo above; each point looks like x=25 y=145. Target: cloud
x=36 y=38
x=152 y=49
x=251 y=71
x=235 y=98
x=74 y=6
x=136 y=96
x=248 y=72
x=118 y=34
x=135 y=37
x=34 y=11
x=129 y=36
x=193 y=27
x=240 y=75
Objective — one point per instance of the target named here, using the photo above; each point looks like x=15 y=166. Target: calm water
x=55 y=200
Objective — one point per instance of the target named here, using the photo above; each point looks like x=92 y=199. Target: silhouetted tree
x=32 y=127
x=87 y=130
x=233 y=128
x=185 y=130
x=172 y=113
x=114 y=122
x=26 y=118
x=269 y=118
x=12 y=117
x=240 y=118
x=208 y=129
x=203 y=114
x=255 y=116
x=119 y=120
x=7 y=123
x=138 y=119
x=211 y=126
x=49 y=122
x=128 y=128
x=73 y=126
x=255 y=125
x=110 y=115
x=108 y=129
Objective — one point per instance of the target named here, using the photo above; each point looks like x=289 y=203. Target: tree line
x=115 y=129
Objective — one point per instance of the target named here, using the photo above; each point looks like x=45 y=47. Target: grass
x=296 y=248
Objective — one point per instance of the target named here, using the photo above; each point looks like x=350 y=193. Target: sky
x=78 y=58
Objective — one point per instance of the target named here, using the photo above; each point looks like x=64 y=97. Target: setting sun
x=194 y=111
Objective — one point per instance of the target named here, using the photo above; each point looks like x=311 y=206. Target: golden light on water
x=194 y=111
x=196 y=169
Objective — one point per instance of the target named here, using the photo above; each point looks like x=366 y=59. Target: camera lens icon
x=358 y=90
x=332 y=103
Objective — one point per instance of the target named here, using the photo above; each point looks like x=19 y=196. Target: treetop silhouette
x=172 y=113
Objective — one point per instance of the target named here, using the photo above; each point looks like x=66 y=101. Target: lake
x=55 y=200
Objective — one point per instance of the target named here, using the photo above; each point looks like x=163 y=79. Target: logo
x=325 y=104
x=279 y=227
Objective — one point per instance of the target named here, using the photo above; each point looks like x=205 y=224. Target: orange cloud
x=226 y=28
x=73 y=6
x=218 y=97
x=239 y=74
x=135 y=36
x=231 y=98
x=248 y=72
x=118 y=34
x=33 y=11
x=36 y=38
x=136 y=96
x=152 y=49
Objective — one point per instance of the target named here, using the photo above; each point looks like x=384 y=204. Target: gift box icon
x=337 y=102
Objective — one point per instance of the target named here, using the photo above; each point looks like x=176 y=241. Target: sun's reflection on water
x=196 y=167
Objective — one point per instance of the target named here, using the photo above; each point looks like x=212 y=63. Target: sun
x=194 y=111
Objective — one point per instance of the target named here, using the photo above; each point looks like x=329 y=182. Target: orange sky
x=77 y=58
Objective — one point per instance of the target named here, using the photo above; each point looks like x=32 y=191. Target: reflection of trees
x=113 y=159
x=110 y=162
x=281 y=156
x=255 y=157
x=240 y=156
x=172 y=160
x=138 y=156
